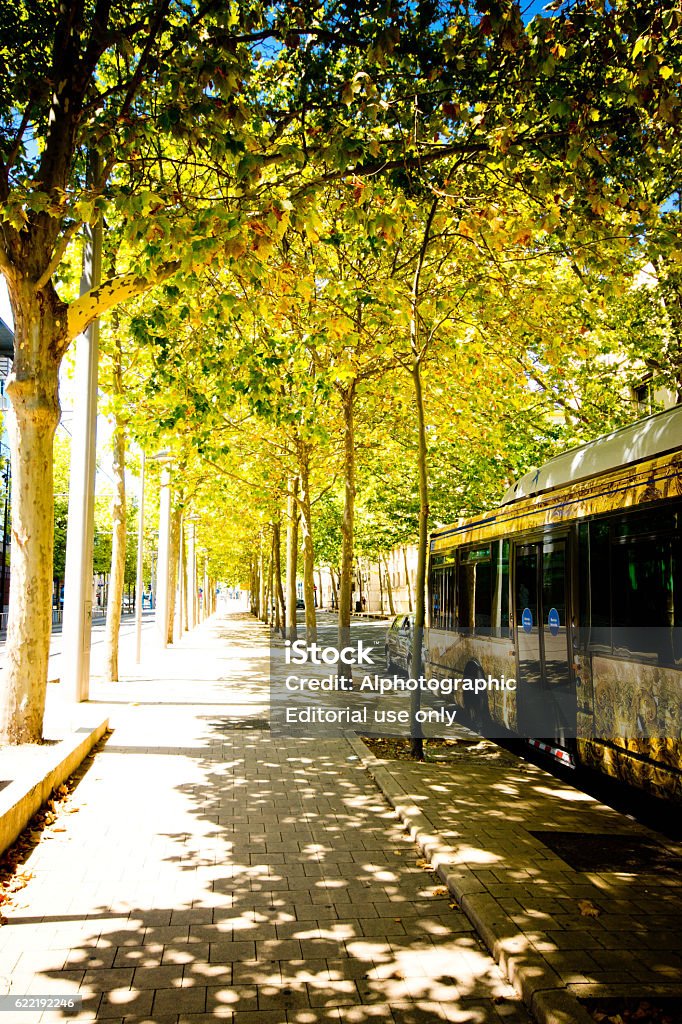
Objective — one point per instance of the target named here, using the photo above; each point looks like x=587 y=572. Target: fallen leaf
x=588 y=909
x=440 y=890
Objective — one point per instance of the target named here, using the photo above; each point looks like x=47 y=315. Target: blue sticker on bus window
x=527 y=619
x=553 y=621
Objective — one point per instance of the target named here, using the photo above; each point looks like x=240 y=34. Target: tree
x=163 y=102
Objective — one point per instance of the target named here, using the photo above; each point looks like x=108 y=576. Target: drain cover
x=596 y=851
x=242 y=725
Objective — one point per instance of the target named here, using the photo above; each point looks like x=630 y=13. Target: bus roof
x=645 y=439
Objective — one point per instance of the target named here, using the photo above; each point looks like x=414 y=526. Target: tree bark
x=407 y=581
x=183 y=579
x=262 y=578
x=418 y=352
x=279 y=590
x=389 y=588
x=420 y=604
x=272 y=600
x=381 y=588
x=335 y=591
x=292 y=558
x=348 y=522
x=39 y=332
x=118 y=538
x=308 y=546
x=255 y=589
x=176 y=516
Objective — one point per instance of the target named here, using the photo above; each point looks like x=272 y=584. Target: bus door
x=546 y=691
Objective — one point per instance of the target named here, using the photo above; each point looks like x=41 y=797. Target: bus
x=572 y=590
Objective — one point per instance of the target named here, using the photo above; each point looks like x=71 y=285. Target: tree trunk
x=191 y=576
x=40 y=328
x=389 y=588
x=292 y=558
x=183 y=580
x=279 y=591
x=320 y=597
x=118 y=537
x=262 y=591
x=308 y=547
x=272 y=601
x=381 y=588
x=418 y=353
x=335 y=592
x=173 y=554
x=348 y=523
x=407 y=581
x=255 y=589
x=417 y=668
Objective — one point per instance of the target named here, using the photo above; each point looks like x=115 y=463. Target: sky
x=66 y=384
x=5 y=311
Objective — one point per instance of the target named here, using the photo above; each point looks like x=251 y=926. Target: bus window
x=631 y=581
x=599 y=578
x=647 y=583
x=527 y=587
x=443 y=597
x=466 y=580
x=500 y=588
x=483 y=597
x=475 y=575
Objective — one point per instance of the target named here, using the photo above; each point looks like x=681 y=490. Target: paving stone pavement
x=204 y=870
x=597 y=930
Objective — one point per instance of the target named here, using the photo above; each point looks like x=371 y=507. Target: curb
x=20 y=800
x=540 y=987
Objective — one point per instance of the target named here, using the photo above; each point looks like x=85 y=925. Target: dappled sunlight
x=255 y=873
x=564 y=793
x=473 y=855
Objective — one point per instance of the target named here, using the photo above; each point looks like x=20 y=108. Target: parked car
x=398 y=645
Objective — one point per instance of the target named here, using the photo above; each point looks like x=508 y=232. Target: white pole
x=78 y=577
x=162 y=564
x=139 y=583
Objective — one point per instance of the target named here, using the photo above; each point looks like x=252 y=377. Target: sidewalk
x=203 y=870
x=575 y=899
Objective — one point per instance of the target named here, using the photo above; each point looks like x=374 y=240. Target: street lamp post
x=77 y=623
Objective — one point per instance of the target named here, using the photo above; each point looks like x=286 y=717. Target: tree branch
x=59 y=250
x=98 y=300
x=16 y=146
